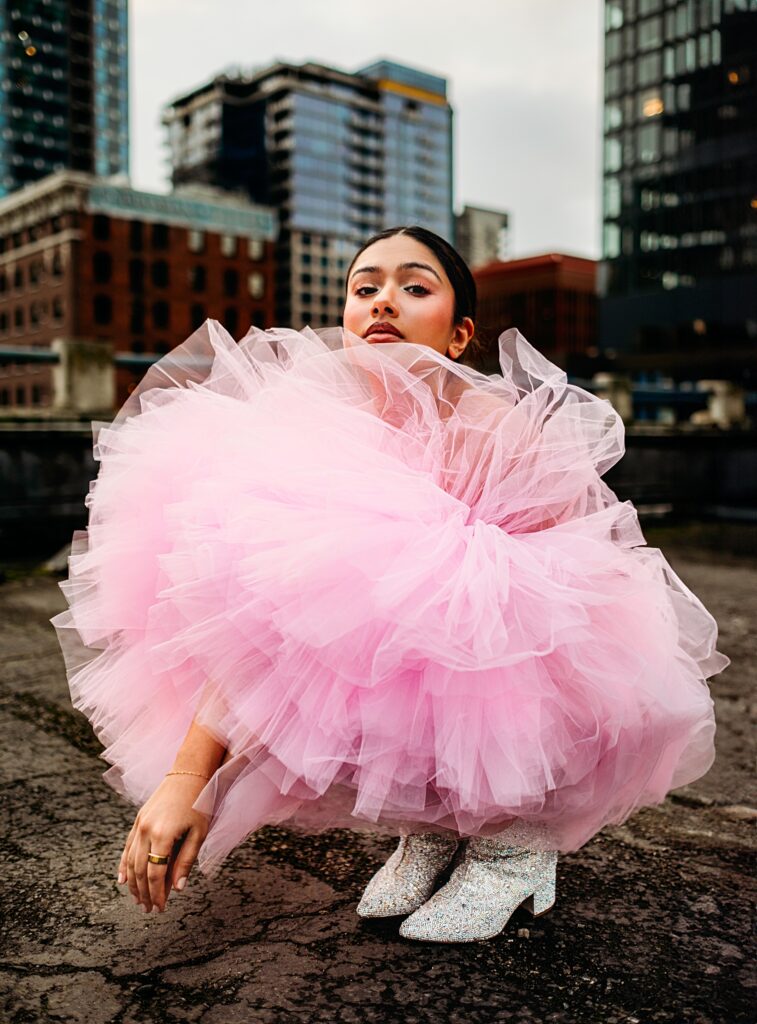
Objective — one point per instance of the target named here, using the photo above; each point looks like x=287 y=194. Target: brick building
x=81 y=257
x=551 y=299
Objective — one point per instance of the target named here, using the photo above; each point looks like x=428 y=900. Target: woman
x=339 y=579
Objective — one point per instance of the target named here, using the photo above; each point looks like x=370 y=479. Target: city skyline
x=542 y=88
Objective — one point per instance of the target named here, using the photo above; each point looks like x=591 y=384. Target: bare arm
x=167 y=825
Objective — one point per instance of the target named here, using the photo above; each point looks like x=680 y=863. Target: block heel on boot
x=542 y=900
x=483 y=892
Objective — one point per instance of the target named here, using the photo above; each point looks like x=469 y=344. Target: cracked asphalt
x=651 y=924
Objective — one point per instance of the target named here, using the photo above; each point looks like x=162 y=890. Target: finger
x=142 y=848
x=131 y=868
x=168 y=878
x=123 y=864
x=186 y=857
x=156 y=875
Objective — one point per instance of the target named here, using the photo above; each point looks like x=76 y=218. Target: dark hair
x=454 y=266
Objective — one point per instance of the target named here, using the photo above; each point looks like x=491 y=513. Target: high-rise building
x=340 y=155
x=481 y=235
x=64 y=98
x=679 y=277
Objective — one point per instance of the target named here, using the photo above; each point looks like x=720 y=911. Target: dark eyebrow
x=365 y=270
x=419 y=266
x=402 y=266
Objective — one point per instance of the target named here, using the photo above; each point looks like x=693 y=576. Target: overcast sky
x=524 y=82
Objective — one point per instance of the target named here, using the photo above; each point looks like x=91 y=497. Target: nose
x=383 y=306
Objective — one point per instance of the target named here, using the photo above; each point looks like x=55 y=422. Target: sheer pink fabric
x=396 y=588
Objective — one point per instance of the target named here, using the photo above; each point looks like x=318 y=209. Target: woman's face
x=398 y=291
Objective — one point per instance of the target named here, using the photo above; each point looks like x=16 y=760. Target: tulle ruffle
x=396 y=589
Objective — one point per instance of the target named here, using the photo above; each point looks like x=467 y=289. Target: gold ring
x=155 y=858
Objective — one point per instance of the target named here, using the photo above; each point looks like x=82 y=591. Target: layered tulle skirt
x=397 y=590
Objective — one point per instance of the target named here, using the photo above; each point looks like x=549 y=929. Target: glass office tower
x=340 y=155
x=64 y=91
x=680 y=187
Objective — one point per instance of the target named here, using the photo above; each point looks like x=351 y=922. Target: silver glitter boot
x=493 y=879
x=407 y=879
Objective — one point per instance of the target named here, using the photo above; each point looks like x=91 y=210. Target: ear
x=462 y=334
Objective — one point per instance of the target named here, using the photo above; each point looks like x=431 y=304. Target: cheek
x=436 y=317
x=351 y=316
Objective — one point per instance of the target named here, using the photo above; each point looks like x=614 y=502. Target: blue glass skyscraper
x=64 y=92
x=340 y=155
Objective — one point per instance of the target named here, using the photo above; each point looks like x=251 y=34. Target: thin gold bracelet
x=198 y=774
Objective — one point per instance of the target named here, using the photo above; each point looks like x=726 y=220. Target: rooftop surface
x=651 y=922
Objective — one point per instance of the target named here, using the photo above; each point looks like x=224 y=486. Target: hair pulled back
x=455 y=267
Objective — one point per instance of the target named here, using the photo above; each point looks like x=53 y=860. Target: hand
x=168 y=826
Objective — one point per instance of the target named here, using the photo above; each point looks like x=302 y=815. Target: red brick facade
x=551 y=299
x=143 y=286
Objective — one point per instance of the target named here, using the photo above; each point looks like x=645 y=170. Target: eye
x=362 y=289
x=422 y=289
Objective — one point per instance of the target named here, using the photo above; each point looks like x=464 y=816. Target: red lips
x=382 y=328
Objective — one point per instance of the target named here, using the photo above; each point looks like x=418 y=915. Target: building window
x=230 y=282
x=102 y=308
x=18 y=316
x=160 y=236
x=3 y=281
x=650 y=68
x=137 y=346
x=197 y=278
x=255 y=248
x=258 y=318
x=20 y=395
x=231 y=320
x=3 y=323
x=650 y=33
x=136 y=275
x=613 y=155
x=649 y=143
x=101 y=227
x=102 y=266
x=36 y=394
x=256 y=285
x=196 y=241
x=18 y=278
x=5 y=396
x=35 y=312
x=160 y=315
x=57 y=309
x=137 y=317
x=160 y=274
x=611 y=241
x=161 y=348
x=136 y=235
x=197 y=316
x=57 y=264
x=34 y=272
x=228 y=245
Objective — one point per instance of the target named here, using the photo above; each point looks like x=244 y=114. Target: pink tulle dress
x=395 y=588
